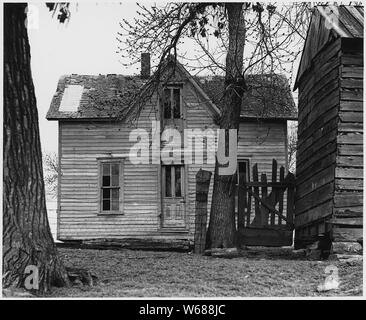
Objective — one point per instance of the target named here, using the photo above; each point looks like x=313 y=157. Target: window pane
x=106 y=169
x=106 y=193
x=167 y=104
x=115 y=180
x=106 y=205
x=115 y=205
x=110 y=180
x=106 y=175
x=106 y=181
x=115 y=194
x=176 y=103
x=168 y=180
x=115 y=169
x=243 y=167
x=178 y=182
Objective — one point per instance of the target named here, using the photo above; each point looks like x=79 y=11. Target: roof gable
x=327 y=24
x=104 y=97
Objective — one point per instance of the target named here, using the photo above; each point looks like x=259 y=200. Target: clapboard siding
x=51 y=205
x=82 y=143
x=260 y=142
x=197 y=117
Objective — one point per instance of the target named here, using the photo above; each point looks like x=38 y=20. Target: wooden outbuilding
x=329 y=169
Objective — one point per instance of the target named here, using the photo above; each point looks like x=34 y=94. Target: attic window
x=172 y=103
x=71 y=98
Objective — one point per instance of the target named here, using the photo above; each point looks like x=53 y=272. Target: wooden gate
x=270 y=222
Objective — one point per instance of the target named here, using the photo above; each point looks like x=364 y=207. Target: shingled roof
x=99 y=97
x=102 y=96
x=267 y=96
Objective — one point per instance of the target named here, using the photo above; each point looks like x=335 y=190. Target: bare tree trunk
x=222 y=231
x=27 y=238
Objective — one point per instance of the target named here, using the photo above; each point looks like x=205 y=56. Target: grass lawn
x=258 y=272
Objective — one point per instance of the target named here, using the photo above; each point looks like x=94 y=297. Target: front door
x=173 y=197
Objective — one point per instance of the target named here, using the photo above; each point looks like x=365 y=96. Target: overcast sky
x=85 y=45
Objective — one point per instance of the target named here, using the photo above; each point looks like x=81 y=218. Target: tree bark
x=27 y=238
x=222 y=232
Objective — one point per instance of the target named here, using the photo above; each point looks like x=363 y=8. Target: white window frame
x=172 y=186
x=102 y=161
x=172 y=87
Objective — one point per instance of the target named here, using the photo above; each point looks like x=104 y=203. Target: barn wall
x=348 y=205
x=317 y=141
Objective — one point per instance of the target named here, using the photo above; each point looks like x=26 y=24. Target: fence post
x=257 y=218
x=242 y=197
x=275 y=191
x=281 y=194
x=264 y=211
x=203 y=178
x=290 y=200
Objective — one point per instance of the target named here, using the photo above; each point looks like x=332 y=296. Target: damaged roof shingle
x=266 y=97
x=105 y=96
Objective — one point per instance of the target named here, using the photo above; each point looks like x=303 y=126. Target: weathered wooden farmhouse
x=102 y=194
x=329 y=173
